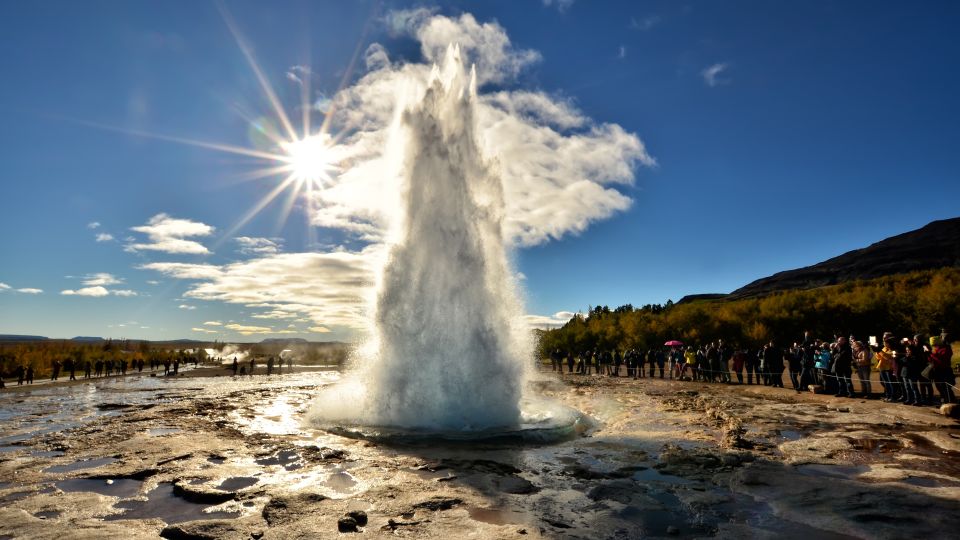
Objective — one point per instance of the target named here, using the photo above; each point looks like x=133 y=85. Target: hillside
x=937 y=245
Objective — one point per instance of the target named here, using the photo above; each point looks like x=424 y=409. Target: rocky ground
x=658 y=459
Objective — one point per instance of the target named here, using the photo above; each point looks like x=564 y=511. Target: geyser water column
x=450 y=351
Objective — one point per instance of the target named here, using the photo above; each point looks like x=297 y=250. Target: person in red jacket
x=942 y=374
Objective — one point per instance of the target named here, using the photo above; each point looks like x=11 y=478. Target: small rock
x=521 y=531
x=438 y=503
x=950 y=409
x=359 y=516
x=347 y=524
x=673 y=531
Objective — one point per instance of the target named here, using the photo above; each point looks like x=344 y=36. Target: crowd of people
x=170 y=366
x=909 y=368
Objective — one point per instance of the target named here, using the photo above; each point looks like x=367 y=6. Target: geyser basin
x=542 y=422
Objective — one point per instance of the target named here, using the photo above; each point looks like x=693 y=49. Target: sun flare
x=310 y=159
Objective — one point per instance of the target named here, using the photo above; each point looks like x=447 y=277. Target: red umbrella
x=674 y=343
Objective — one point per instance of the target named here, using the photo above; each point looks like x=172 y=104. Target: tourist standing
x=884 y=364
x=842 y=368
x=942 y=372
x=861 y=359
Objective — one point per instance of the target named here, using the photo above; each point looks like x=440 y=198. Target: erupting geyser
x=450 y=350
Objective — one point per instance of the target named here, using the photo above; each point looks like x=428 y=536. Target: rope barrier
x=730 y=373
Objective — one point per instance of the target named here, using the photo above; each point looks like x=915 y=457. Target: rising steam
x=450 y=350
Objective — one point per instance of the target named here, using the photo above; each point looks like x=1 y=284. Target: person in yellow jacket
x=689 y=359
x=886 y=357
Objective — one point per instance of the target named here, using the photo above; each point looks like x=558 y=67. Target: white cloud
x=152 y=282
x=86 y=291
x=325 y=288
x=247 y=330
x=318 y=329
x=712 y=75
x=170 y=235
x=187 y=306
x=547 y=322
x=645 y=23
x=258 y=246
x=4 y=286
x=101 y=279
x=124 y=292
x=93 y=224
x=275 y=314
x=561 y=170
x=213 y=323
x=104 y=237
x=204 y=330
x=562 y=5
x=30 y=290
x=184 y=270
x=622 y=53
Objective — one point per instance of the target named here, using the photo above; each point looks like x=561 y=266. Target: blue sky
x=774 y=135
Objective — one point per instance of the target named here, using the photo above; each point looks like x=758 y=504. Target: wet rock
x=583 y=473
x=950 y=409
x=438 y=503
x=393 y=524
x=484 y=466
x=557 y=523
x=359 y=516
x=838 y=503
x=205 y=530
x=622 y=491
x=175 y=458
x=516 y=485
x=288 y=508
x=347 y=524
x=315 y=453
x=200 y=493
x=673 y=531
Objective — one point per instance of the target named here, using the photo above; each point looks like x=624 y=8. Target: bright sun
x=309 y=159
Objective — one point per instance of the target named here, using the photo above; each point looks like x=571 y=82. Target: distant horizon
x=662 y=151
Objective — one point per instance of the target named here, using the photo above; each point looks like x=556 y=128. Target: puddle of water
x=4 y=449
x=497 y=516
x=162 y=504
x=17 y=495
x=790 y=435
x=289 y=459
x=121 y=487
x=47 y=514
x=47 y=453
x=156 y=432
x=237 y=483
x=832 y=471
x=656 y=522
x=340 y=481
x=876 y=446
x=77 y=465
x=926 y=481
